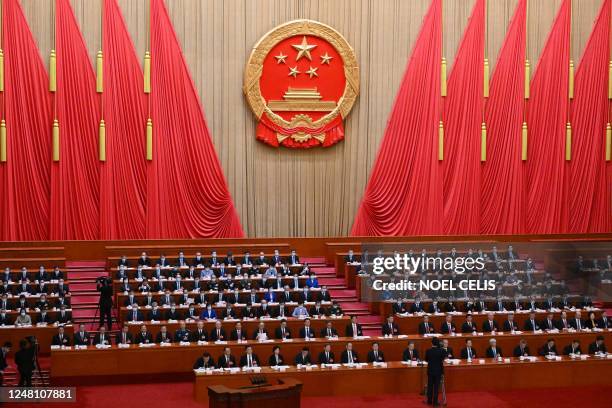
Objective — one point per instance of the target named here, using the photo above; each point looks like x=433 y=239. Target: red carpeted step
x=313 y=260
x=343 y=293
x=331 y=281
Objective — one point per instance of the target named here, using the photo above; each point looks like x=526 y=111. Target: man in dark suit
x=303 y=357
x=164 y=336
x=218 y=333
x=327 y=356
x=206 y=361
x=349 y=356
x=102 y=338
x=283 y=332
x=490 y=325
x=4 y=351
x=468 y=352
x=468 y=326
x=227 y=360
x=549 y=323
x=576 y=323
x=81 y=338
x=598 y=346
x=63 y=316
x=61 y=338
x=572 y=348
x=351 y=257
x=353 y=329
x=124 y=337
x=376 y=355
x=144 y=336
x=249 y=359
x=144 y=260
x=276 y=359
x=417 y=306
x=410 y=353
x=199 y=334
x=329 y=331
x=390 y=328
x=238 y=333
x=425 y=327
x=549 y=349
x=182 y=334
x=510 y=325
x=493 y=351
x=307 y=332
x=435 y=369
x=522 y=349
x=604 y=322
x=448 y=327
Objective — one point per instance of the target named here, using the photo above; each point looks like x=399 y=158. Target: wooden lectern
x=282 y=395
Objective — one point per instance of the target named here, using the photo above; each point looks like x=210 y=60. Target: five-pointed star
x=303 y=49
x=280 y=58
x=325 y=59
x=312 y=72
x=293 y=71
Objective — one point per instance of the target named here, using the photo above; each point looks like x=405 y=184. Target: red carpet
x=166 y=395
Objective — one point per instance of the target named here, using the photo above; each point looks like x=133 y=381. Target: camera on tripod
x=104 y=280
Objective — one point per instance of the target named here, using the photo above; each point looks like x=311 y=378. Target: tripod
x=96 y=316
x=443 y=388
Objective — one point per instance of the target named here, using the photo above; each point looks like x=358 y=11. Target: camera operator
x=24 y=359
x=6 y=348
x=104 y=286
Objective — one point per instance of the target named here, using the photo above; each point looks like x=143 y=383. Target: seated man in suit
x=124 y=336
x=522 y=350
x=447 y=349
x=327 y=356
x=390 y=328
x=135 y=315
x=549 y=323
x=410 y=353
x=598 y=346
x=294 y=259
x=499 y=305
x=144 y=336
x=238 y=333
x=398 y=307
x=376 y=355
x=532 y=324
x=549 y=349
x=307 y=332
x=490 y=325
x=261 y=334
x=5 y=318
x=164 y=336
x=604 y=322
x=303 y=357
x=493 y=351
x=349 y=356
x=227 y=360
x=156 y=314
x=318 y=310
x=510 y=324
x=206 y=361
x=61 y=338
x=448 y=327
x=276 y=359
x=102 y=338
x=144 y=260
x=218 y=333
x=249 y=359
x=353 y=329
x=425 y=327
x=417 y=306
x=468 y=326
x=563 y=323
x=283 y=332
x=592 y=322
x=199 y=334
x=468 y=352
x=576 y=323
x=572 y=348
x=44 y=317
x=81 y=338
x=329 y=331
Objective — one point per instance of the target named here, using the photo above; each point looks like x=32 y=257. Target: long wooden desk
x=250 y=326
x=410 y=324
x=44 y=334
x=114 y=362
x=398 y=377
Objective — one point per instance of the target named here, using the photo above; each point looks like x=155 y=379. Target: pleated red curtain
x=463 y=116
x=187 y=195
x=502 y=205
x=123 y=175
x=590 y=205
x=404 y=193
x=26 y=175
x=547 y=168
x=75 y=179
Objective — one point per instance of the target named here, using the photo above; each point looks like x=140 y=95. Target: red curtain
x=123 y=175
x=548 y=114
x=588 y=190
x=404 y=193
x=463 y=116
x=187 y=195
x=25 y=177
x=75 y=179
x=502 y=184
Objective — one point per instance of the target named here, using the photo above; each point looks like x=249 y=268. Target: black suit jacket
x=344 y=357
x=407 y=356
x=65 y=340
x=464 y=353
x=81 y=340
x=243 y=360
x=200 y=363
x=279 y=335
x=272 y=360
x=226 y=361
x=518 y=352
x=146 y=338
x=487 y=327
x=129 y=339
x=490 y=352
x=214 y=337
x=466 y=328
x=386 y=330
x=435 y=360
x=303 y=360
x=371 y=357
x=323 y=359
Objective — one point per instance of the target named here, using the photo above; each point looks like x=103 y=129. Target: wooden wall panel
x=280 y=192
